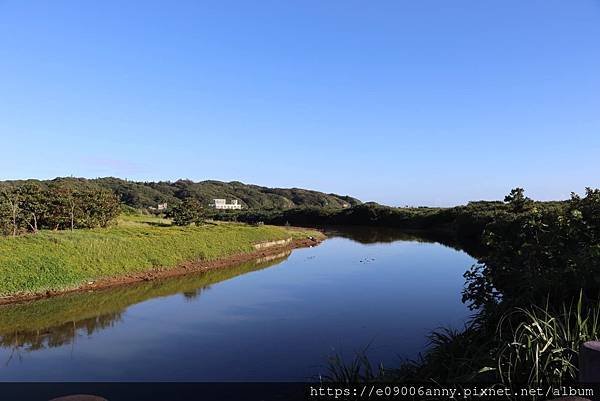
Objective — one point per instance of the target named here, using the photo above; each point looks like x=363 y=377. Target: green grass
x=53 y=261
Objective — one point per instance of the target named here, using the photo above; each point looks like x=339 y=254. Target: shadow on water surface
x=57 y=321
x=375 y=235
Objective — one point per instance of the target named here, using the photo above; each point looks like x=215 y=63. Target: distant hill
x=146 y=194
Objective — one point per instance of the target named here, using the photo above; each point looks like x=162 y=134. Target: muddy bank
x=265 y=251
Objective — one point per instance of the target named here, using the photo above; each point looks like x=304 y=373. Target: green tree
x=10 y=202
x=61 y=204
x=187 y=212
x=61 y=211
x=33 y=205
x=95 y=207
x=517 y=200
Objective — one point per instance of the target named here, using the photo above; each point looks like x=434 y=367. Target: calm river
x=267 y=320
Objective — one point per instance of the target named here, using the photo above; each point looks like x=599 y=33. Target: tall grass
x=358 y=370
x=456 y=356
x=543 y=346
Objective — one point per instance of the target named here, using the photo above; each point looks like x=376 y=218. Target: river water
x=276 y=319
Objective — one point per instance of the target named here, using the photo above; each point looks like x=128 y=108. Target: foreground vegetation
x=60 y=260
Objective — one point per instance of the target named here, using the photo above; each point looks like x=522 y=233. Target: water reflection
x=361 y=286
x=379 y=235
x=57 y=321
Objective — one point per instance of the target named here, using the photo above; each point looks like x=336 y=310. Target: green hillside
x=146 y=194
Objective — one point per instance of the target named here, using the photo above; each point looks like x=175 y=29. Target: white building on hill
x=222 y=204
x=161 y=207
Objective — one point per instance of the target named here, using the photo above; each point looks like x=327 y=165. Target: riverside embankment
x=50 y=263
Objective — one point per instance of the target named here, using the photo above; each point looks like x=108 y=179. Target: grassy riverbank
x=52 y=321
x=62 y=260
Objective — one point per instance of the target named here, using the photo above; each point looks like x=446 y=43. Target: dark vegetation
x=464 y=223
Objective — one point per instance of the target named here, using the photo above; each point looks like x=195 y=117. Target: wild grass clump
x=455 y=356
x=358 y=370
x=543 y=345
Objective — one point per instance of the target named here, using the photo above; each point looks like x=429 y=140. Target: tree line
x=463 y=223
x=142 y=195
x=28 y=207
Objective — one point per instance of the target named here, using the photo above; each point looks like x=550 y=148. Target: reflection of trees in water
x=59 y=335
x=372 y=235
x=56 y=322
x=192 y=295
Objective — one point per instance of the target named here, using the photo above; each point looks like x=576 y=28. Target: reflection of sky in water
x=276 y=323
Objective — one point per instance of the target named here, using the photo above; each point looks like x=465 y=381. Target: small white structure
x=222 y=204
x=161 y=207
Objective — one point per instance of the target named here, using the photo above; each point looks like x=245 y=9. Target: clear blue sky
x=401 y=102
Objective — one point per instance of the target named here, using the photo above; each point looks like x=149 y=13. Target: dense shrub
x=543 y=252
